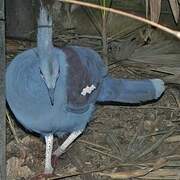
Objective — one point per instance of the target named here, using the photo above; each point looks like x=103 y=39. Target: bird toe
x=54 y=160
x=42 y=176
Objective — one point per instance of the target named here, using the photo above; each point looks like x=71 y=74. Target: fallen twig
x=156 y=145
x=9 y=121
x=105 y=153
x=136 y=173
x=176 y=99
x=92 y=144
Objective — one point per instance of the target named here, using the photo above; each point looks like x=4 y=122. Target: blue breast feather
x=28 y=98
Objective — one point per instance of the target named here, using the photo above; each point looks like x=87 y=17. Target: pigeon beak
x=51 y=96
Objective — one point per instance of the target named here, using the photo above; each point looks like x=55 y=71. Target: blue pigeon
x=53 y=91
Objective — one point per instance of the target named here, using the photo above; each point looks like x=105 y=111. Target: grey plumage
x=53 y=91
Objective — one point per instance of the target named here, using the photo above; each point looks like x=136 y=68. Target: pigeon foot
x=42 y=176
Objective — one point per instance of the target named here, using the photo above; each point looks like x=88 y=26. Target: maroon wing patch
x=78 y=79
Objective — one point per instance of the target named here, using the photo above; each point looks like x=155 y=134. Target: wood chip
x=173 y=139
x=16 y=170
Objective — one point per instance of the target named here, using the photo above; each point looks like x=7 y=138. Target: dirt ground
x=135 y=142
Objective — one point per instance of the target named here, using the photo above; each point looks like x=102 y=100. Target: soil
x=124 y=139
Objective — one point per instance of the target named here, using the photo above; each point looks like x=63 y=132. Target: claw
x=42 y=176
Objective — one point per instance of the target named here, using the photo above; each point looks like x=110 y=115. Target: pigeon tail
x=130 y=91
x=159 y=87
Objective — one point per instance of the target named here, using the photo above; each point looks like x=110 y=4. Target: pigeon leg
x=61 y=149
x=48 y=167
x=49 y=147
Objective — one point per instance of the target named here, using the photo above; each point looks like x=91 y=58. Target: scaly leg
x=49 y=147
x=48 y=167
x=61 y=149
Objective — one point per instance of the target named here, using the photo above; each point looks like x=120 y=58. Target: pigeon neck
x=44 y=34
x=44 y=40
